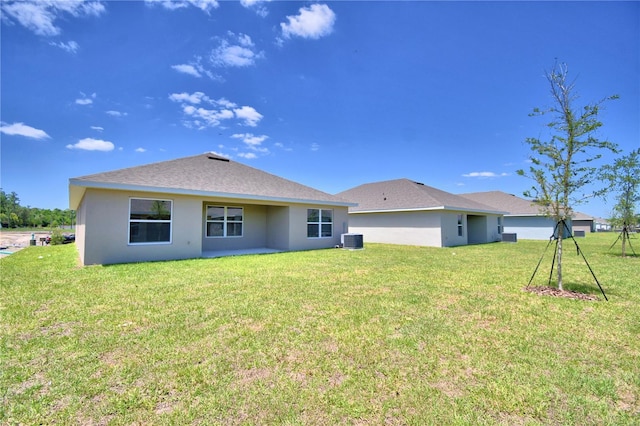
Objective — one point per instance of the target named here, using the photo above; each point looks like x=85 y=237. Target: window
x=460 y=231
x=224 y=221
x=319 y=223
x=499 y=225
x=149 y=221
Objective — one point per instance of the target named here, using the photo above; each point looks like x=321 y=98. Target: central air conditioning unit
x=509 y=238
x=352 y=241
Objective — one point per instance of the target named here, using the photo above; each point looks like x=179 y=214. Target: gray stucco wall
x=298 y=228
x=80 y=231
x=483 y=229
x=529 y=227
x=583 y=225
x=278 y=227
x=408 y=228
x=254 y=226
x=102 y=233
x=106 y=224
x=425 y=228
x=450 y=236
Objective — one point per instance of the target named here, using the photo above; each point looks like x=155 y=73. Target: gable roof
x=406 y=195
x=207 y=175
x=514 y=205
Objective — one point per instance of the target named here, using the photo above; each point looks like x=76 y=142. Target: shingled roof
x=405 y=194
x=510 y=203
x=514 y=205
x=207 y=175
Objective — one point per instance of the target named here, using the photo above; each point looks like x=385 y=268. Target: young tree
x=624 y=179
x=562 y=166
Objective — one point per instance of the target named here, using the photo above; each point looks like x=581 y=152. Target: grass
x=385 y=335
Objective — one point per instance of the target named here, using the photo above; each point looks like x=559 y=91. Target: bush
x=56 y=237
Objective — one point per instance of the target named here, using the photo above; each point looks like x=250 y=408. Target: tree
x=562 y=166
x=10 y=209
x=623 y=177
x=12 y=214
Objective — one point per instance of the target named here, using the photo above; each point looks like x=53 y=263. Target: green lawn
x=386 y=335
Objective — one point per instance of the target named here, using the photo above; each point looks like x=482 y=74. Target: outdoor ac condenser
x=352 y=241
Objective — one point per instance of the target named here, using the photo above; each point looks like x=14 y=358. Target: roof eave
x=418 y=209
x=76 y=196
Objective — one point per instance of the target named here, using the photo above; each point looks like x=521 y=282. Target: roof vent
x=212 y=156
x=419 y=183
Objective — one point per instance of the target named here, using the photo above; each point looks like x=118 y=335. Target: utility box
x=352 y=241
x=509 y=238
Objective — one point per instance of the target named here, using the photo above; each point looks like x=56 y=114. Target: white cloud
x=211 y=118
x=250 y=139
x=204 y=5
x=238 y=53
x=90 y=144
x=187 y=69
x=312 y=22
x=315 y=147
x=281 y=146
x=222 y=102
x=484 y=175
x=85 y=100
x=195 y=69
x=253 y=143
x=21 y=129
x=247 y=155
x=194 y=98
x=257 y=6
x=223 y=109
x=250 y=116
x=40 y=16
x=117 y=113
x=141 y=150
x=71 y=47
x=97 y=128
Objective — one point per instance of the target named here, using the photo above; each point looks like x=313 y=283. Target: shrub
x=56 y=237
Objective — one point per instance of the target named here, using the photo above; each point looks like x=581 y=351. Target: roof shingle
x=405 y=194
x=205 y=174
x=514 y=205
x=507 y=202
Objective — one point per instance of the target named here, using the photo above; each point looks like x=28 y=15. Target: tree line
x=13 y=215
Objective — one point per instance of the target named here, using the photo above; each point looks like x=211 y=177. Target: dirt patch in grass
x=550 y=291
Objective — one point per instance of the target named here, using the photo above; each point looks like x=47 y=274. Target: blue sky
x=328 y=94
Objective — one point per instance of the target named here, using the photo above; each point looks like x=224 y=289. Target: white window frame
x=224 y=222
x=320 y=223
x=169 y=221
x=499 y=224
x=460 y=225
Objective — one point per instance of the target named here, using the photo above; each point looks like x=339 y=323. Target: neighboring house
x=525 y=218
x=199 y=206
x=406 y=212
x=583 y=222
x=602 y=225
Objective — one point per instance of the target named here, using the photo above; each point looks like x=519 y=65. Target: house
x=602 y=225
x=402 y=211
x=199 y=206
x=525 y=218
x=583 y=222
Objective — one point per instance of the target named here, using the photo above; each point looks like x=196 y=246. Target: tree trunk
x=559 y=257
x=624 y=240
